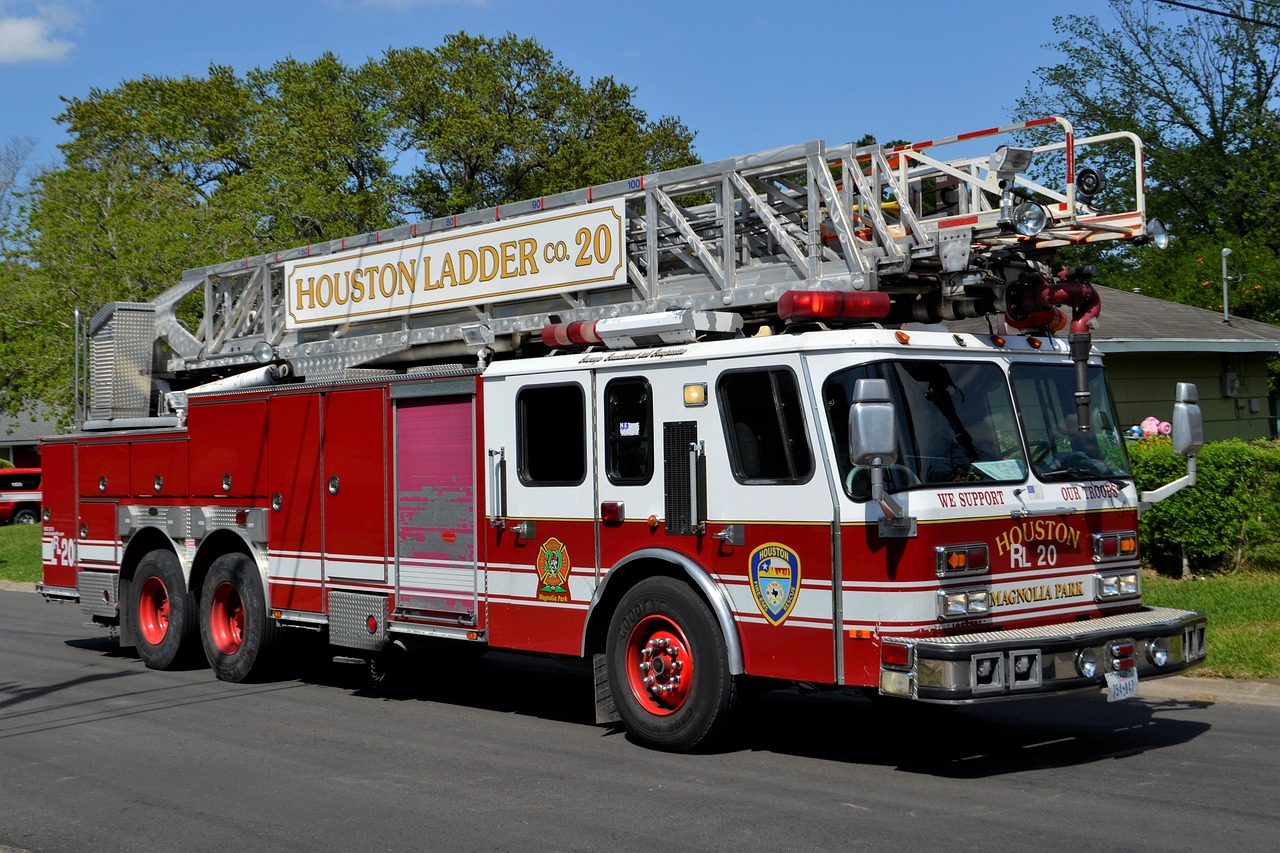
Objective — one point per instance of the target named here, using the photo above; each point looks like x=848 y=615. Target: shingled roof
x=1131 y=322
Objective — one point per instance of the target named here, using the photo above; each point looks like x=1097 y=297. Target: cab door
x=770 y=516
x=541 y=554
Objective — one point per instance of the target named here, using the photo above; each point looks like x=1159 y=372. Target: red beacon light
x=833 y=305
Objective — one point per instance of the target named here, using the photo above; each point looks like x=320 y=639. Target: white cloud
x=31 y=38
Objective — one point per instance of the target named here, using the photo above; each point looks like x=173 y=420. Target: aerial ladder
x=901 y=233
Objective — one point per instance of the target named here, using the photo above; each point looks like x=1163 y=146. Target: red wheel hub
x=226 y=618
x=153 y=611
x=659 y=665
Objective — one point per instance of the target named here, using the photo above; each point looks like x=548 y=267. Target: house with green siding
x=1149 y=345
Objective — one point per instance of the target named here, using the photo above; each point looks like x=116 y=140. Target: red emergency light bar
x=570 y=334
x=833 y=305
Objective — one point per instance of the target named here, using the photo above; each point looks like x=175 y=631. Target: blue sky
x=746 y=75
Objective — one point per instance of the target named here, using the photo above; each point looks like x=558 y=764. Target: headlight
x=960 y=603
x=1087 y=663
x=1158 y=651
x=1119 y=585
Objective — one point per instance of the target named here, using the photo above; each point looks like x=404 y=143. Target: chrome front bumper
x=1035 y=661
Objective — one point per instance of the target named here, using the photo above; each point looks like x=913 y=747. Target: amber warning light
x=833 y=305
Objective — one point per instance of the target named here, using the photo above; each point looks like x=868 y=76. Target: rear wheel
x=668 y=666
x=26 y=515
x=237 y=634
x=164 y=610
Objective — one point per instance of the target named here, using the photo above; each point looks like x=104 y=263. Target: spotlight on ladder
x=1006 y=163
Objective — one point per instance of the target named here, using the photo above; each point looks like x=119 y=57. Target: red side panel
x=232 y=443
x=99 y=547
x=293 y=472
x=103 y=469
x=58 y=552
x=355 y=485
x=158 y=468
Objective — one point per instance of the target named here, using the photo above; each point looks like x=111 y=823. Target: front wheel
x=164 y=610
x=668 y=666
x=26 y=515
x=237 y=634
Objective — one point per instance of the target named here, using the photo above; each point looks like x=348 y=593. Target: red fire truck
x=692 y=428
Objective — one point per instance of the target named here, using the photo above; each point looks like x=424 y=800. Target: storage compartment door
x=435 y=509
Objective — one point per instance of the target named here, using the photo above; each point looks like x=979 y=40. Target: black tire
x=237 y=633
x=692 y=693
x=163 y=609
x=26 y=515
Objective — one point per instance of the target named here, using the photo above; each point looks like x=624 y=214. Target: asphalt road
x=99 y=753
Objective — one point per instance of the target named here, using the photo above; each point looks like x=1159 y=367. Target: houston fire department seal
x=553 y=571
x=775 y=580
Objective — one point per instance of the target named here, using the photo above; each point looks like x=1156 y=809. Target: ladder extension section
x=729 y=236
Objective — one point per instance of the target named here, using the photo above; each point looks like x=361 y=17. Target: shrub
x=1229 y=520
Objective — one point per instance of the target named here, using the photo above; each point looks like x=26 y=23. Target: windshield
x=956 y=424
x=1058 y=449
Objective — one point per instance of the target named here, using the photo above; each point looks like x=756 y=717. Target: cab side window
x=628 y=405
x=551 y=435
x=764 y=426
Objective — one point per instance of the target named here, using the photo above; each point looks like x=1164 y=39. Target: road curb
x=1232 y=691
x=15 y=586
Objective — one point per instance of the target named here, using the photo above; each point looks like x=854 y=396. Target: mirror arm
x=1146 y=499
x=891 y=508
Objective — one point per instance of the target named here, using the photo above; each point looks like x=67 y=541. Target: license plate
x=1122 y=685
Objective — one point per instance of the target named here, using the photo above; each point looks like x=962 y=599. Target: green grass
x=1243 y=608
x=20 y=552
x=1244 y=619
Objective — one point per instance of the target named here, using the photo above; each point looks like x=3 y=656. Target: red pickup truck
x=19 y=495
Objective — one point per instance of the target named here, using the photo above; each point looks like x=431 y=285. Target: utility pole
x=1226 y=253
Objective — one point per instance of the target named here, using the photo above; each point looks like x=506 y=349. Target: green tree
x=1199 y=88
x=165 y=174
x=317 y=146
x=498 y=120
x=15 y=162
x=160 y=175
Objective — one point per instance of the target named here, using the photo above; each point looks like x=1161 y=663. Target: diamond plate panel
x=120 y=349
x=98 y=592
x=349 y=614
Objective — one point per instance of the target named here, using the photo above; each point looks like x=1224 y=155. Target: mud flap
x=606 y=711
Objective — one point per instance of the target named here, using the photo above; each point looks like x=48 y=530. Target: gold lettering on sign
x=1037 y=530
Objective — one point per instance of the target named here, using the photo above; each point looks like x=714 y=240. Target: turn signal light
x=1119 y=545
x=961 y=559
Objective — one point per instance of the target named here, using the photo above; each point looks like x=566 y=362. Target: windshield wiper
x=1081 y=473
